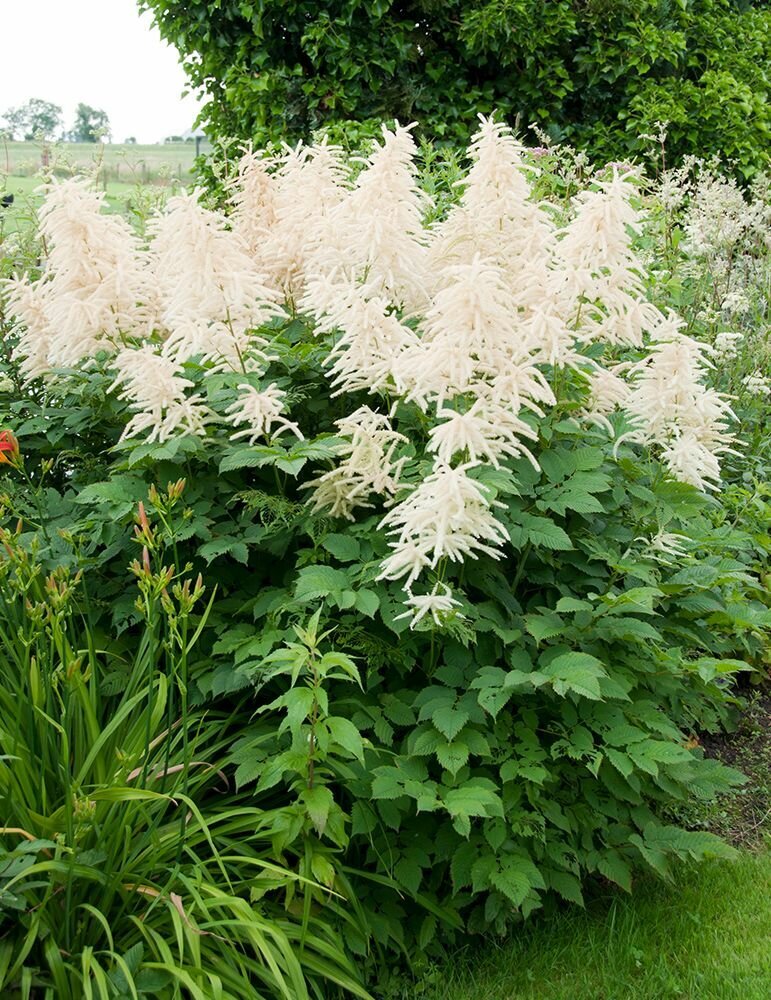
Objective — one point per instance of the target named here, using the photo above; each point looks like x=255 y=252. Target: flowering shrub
x=455 y=454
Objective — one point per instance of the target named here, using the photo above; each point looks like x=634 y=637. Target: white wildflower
x=375 y=235
x=726 y=345
x=666 y=545
x=95 y=290
x=156 y=392
x=485 y=432
x=692 y=462
x=371 y=339
x=757 y=384
x=308 y=186
x=212 y=294
x=607 y=393
x=671 y=406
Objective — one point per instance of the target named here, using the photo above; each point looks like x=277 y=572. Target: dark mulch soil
x=744 y=818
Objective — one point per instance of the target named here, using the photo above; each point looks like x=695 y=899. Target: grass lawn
x=118 y=169
x=134 y=161
x=707 y=937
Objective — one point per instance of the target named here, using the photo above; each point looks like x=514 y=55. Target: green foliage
x=703 y=936
x=595 y=73
x=509 y=752
x=127 y=868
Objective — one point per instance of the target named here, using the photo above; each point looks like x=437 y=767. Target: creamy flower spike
x=261 y=411
x=96 y=290
x=376 y=235
x=607 y=392
x=486 y=432
x=447 y=516
x=671 y=407
x=469 y=319
x=496 y=218
x=253 y=199
x=368 y=465
x=212 y=293
x=308 y=185
x=439 y=603
x=371 y=337
x=156 y=392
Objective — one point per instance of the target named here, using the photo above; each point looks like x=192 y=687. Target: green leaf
x=462 y=862
x=367 y=601
x=453 y=756
x=251 y=457
x=514 y=884
x=320 y=581
x=449 y=721
x=346 y=735
x=542 y=532
x=566 y=604
x=577 y=672
x=409 y=873
x=318 y=801
x=226 y=545
x=342 y=547
x=476 y=797
x=613 y=867
x=567 y=885
x=544 y=626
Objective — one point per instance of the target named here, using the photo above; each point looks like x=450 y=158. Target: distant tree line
x=38 y=119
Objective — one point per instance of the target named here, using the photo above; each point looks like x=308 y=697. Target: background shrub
x=598 y=73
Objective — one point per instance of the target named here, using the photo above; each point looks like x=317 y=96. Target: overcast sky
x=100 y=52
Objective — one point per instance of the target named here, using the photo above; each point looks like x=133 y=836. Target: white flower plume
x=260 y=411
x=156 y=392
x=439 y=603
x=447 y=516
x=368 y=465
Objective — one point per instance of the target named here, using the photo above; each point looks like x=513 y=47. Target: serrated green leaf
x=614 y=868
x=346 y=735
x=453 y=756
x=318 y=802
x=342 y=547
x=544 y=626
x=449 y=720
x=577 y=672
x=320 y=581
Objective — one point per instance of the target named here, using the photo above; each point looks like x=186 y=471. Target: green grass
x=118 y=170
x=708 y=937
x=132 y=162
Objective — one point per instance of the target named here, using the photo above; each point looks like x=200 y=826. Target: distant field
x=114 y=162
x=117 y=169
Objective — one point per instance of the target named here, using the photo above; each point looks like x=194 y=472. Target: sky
x=99 y=52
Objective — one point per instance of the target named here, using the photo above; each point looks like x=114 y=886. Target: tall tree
x=36 y=119
x=595 y=72
x=91 y=124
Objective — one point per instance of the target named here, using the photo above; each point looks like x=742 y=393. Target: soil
x=744 y=818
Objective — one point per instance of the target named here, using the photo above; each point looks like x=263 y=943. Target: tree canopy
x=36 y=119
x=91 y=124
x=595 y=72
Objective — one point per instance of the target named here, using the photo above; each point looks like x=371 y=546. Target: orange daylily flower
x=9 y=449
